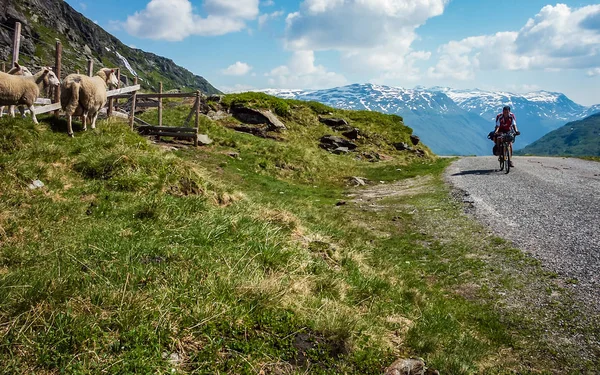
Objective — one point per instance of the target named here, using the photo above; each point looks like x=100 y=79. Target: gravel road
x=549 y=207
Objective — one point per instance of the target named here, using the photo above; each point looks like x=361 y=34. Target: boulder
x=214 y=98
x=336 y=123
x=332 y=142
x=258 y=117
x=353 y=134
x=401 y=146
x=341 y=150
x=410 y=367
x=415 y=140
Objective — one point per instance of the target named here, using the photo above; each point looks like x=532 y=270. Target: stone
x=258 y=117
x=353 y=134
x=415 y=140
x=204 y=140
x=402 y=146
x=214 y=98
x=358 y=181
x=36 y=184
x=332 y=142
x=406 y=367
x=336 y=123
x=341 y=150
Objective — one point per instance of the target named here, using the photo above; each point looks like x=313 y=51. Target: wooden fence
x=130 y=93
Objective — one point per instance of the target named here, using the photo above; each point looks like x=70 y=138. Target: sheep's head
x=19 y=70
x=112 y=81
x=52 y=78
x=109 y=77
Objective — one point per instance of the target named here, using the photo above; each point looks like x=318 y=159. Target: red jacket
x=506 y=124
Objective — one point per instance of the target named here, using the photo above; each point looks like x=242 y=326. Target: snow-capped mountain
x=453 y=121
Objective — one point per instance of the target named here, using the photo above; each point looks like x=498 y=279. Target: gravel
x=548 y=207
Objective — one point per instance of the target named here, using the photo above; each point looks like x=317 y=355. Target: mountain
x=537 y=113
x=44 y=21
x=445 y=127
x=454 y=121
x=578 y=138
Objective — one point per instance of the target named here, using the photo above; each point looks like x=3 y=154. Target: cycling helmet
x=506 y=107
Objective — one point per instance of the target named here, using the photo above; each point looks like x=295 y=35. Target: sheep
x=81 y=95
x=17 y=70
x=16 y=90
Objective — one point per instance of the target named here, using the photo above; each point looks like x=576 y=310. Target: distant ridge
x=578 y=138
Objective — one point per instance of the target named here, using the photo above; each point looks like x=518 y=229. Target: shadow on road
x=476 y=171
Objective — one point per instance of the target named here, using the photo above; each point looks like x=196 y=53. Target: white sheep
x=84 y=96
x=19 y=90
x=16 y=70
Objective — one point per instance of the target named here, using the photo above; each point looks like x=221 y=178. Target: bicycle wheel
x=501 y=158
x=507 y=158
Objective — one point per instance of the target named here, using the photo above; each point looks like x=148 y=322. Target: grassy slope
x=136 y=259
x=578 y=138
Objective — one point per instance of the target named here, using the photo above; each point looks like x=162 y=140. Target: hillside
x=454 y=122
x=577 y=138
x=443 y=126
x=44 y=21
x=258 y=255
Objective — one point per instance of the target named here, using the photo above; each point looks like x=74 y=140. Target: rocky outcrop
x=410 y=367
x=338 y=124
x=415 y=140
x=258 y=117
x=336 y=144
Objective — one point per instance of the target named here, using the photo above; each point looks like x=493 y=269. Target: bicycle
x=504 y=153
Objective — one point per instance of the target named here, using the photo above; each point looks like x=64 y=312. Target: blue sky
x=510 y=45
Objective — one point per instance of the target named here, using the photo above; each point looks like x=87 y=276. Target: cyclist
x=505 y=122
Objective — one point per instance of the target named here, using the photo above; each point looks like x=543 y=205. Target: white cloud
x=83 y=5
x=557 y=38
x=593 y=72
x=264 y=18
x=373 y=36
x=267 y=3
x=237 y=88
x=301 y=72
x=237 y=69
x=174 y=20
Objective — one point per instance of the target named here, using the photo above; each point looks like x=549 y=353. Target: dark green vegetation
x=241 y=257
x=44 y=21
x=577 y=138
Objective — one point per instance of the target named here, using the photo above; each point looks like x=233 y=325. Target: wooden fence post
x=160 y=104
x=16 y=43
x=90 y=67
x=197 y=118
x=133 y=100
x=3 y=67
x=57 y=71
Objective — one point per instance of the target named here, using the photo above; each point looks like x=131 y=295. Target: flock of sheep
x=80 y=95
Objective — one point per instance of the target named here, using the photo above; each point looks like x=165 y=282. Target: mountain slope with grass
x=577 y=138
x=259 y=255
x=45 y=21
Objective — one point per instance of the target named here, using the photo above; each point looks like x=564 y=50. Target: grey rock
x=415 y=140
x=257 y=117
x=402 y=146
x=332 y=142
x=203 y=139
x=353 y=134
x=336 y=123
x=36 y=184
x=341 y=150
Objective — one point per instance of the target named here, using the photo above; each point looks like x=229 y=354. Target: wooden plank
x=140 y=121
x=124 y=90
x=57 y=71
x=16 y=43
x=169 y=134
x=160 y=104
x=179 y=95
x=165 y=128
x=47 y=108
x=90 y=67
x=133 y=101
x=197 y=117
x=43 y=101
x=147 y=105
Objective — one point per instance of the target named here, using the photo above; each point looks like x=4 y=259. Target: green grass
x=138 y=259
